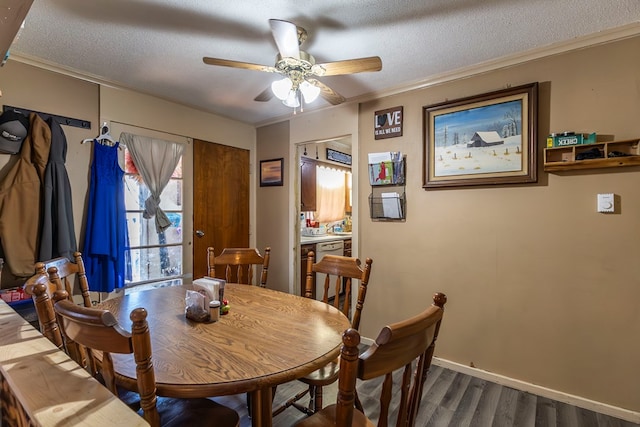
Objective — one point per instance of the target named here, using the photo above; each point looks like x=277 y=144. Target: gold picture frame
x=487 y=139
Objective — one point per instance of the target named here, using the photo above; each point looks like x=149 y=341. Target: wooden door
x=220 y=200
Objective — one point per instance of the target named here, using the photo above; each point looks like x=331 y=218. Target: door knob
x=199 y=233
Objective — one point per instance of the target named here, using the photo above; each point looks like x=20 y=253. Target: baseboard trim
x=571 y=399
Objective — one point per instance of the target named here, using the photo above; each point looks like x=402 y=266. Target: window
x=155 y=257
x=333 y=193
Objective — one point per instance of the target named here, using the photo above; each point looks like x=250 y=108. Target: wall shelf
x=612 y=154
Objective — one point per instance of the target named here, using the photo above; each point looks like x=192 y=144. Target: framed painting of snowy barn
x=486 y=139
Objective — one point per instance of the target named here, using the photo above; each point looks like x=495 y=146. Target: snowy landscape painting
x=487 y=139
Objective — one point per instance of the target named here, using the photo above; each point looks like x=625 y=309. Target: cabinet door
x=307 y=185
x=347 y=247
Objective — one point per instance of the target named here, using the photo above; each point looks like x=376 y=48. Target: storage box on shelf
x=592 y=156
x=14 y=295
x=571 y=138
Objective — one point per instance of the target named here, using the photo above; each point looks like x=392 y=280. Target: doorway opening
x=326 y=202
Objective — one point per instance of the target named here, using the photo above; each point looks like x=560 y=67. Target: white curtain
x=330 y=194
x=155 y=159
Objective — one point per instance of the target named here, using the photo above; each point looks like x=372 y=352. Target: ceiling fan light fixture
x=309 y=91
x=282 y=88
x=292 y=100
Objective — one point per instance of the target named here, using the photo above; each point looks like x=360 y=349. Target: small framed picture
x=271 y=172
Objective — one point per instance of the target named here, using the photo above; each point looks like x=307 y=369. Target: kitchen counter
x=323 y=238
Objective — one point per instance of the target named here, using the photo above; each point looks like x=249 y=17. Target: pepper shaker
x=214 y=310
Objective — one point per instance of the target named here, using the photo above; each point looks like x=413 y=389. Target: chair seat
x=195 y=412
x=324 y=376
x=327 y=417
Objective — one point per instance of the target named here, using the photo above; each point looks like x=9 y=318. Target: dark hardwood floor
x=456 y=400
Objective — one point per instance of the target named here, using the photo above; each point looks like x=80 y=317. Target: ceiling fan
x=299 y=68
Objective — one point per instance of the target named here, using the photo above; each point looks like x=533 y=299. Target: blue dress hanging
x=106 y=237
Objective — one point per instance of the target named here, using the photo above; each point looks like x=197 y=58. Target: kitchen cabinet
x=347 y=247
x=307 y=185
x=304 y=255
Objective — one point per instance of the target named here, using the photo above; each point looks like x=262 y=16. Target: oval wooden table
x=268 y=338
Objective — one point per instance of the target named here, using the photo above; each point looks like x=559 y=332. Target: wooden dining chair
x=98 y=330
x=41 y=290
x=341 y=272
x=236 y=265
x=406 y=345
x=62 y=272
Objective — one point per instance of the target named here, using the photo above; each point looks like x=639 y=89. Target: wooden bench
x=40 y=385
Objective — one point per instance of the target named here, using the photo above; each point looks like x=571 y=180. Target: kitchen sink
x=313 y=232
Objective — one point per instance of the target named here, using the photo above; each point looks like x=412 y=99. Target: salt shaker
x=214 y=310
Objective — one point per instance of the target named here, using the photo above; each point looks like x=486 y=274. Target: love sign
x=388 y=123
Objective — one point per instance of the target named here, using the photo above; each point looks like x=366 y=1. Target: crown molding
x=590 y=40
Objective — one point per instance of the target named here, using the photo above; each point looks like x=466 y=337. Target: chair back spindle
x=62 y=272
x=340 y=272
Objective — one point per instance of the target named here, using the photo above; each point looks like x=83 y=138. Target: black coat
x=57 y=238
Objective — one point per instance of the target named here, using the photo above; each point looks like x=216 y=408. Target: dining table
x=267 y=338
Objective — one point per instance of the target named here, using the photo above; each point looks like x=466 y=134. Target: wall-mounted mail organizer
x=387 y=201
x=386 y=168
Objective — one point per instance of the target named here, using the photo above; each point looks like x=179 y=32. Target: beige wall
x=272 y=219
x=542 y=288
x=33 y=88
x=27 y=87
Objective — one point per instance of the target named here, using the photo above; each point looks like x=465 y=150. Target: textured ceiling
x=156 y=46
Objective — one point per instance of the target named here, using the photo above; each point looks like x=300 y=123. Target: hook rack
x=65 y=121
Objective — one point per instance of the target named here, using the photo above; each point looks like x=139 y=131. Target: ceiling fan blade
x=350 y=66
x=328 y=94
x=286 y=36
x=238 y=64
x=265 y=95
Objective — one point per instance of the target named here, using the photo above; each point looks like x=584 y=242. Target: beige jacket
x=20 y=202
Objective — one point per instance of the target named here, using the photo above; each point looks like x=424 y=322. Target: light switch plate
x=606 y=203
